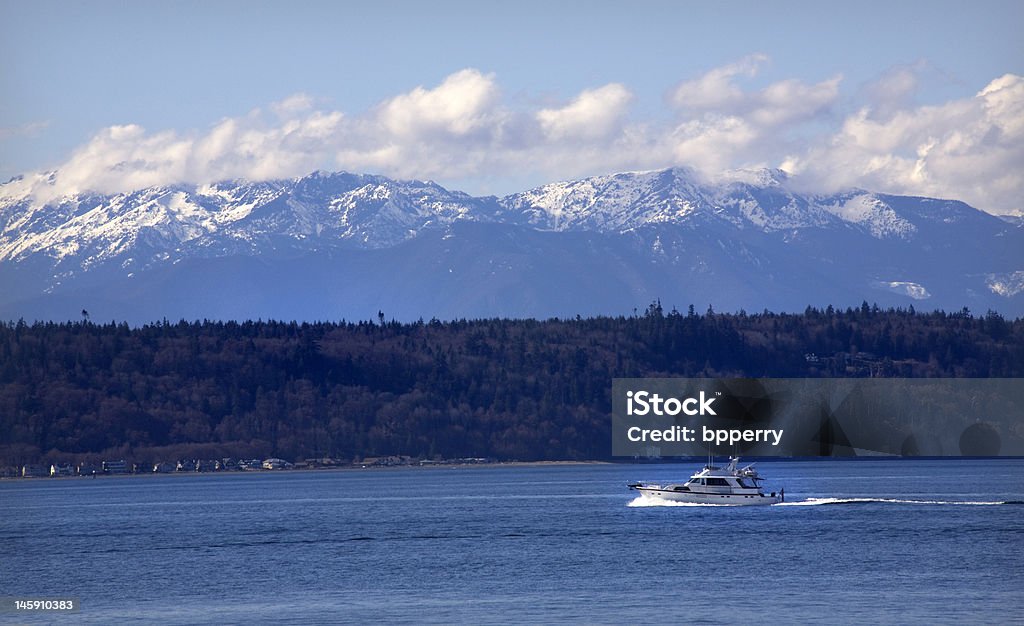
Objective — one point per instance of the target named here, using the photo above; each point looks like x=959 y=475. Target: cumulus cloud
x=594 y=114
x=293 y=105
x=714 y=143
x=894 y=90
x=970 y=149
x=453 y=129
x=722 y=125
x=718 y=93
x=463 y=128
x=127 y=157
x=464 y=104
x=124 y=157
x=716 y=90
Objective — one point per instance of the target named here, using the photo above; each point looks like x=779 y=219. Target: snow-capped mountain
x=332 y=245
x=150 y=226
x=744 y=199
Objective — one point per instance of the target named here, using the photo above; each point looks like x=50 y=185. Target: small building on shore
x=89 y=469
x=32 y=471
x=115 y=467
x=207 y=465
x=62 y=469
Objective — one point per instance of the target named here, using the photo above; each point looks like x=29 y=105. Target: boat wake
x=824 y=501
x=642 y=502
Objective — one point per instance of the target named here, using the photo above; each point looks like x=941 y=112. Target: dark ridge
x=497 y=389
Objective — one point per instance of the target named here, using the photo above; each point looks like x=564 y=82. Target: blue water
x=860 y=542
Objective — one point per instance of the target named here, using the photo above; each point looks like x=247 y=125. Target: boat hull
x=708 y=498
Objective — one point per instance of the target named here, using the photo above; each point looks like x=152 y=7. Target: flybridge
x=646 y=403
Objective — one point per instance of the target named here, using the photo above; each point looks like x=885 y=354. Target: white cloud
x=124 y=157
x=894 y=90
x=463 y=129
x=970 y=149
x=717 y=93
x=791 y=101
x=715 y=142
x=722 y=126
x=716 y=90
x=465 y=103
x=594 y=114
x=293 y=105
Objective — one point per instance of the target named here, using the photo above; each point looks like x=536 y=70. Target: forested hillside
x=507 y=389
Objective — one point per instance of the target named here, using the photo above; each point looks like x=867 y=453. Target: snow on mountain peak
x=746 y=238
x=371 y=211
x=762 y=177
x=610 y=203
x=872 y=212
x=629 y=200
x=216 y=218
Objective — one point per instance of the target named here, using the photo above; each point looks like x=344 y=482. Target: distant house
x=273 y=464
x=326 y=462
x=164 y=468
x=89 y=469
x=115 y=467
x=386 y=461
x=32 y=471
x=207 y=466
x=62 y=469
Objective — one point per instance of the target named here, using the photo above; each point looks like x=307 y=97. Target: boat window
x=744 y=484
x=717 y=482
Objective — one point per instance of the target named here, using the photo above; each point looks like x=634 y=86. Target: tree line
x=500 y=388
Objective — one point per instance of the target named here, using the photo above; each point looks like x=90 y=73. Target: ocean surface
x=926 y=541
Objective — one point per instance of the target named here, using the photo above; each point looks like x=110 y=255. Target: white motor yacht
x=729 y=485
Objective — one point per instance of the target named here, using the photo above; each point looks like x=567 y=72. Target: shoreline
x=317 y=470
x=504 y=464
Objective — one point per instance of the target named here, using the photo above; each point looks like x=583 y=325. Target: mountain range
x=347 y=246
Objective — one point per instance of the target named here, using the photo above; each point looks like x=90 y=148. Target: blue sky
x=907 y=97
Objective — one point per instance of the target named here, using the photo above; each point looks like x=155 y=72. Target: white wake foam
x=643 y=502
x=821 y=501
